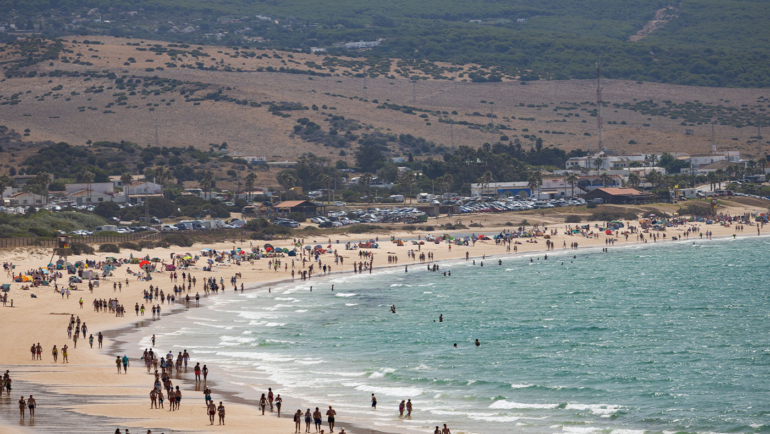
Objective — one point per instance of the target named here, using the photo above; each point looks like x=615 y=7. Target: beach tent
x=292 y=253
x=170 y=267
x=269 y=248
x=6 y=287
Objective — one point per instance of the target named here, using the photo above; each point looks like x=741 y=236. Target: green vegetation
x=706 y=42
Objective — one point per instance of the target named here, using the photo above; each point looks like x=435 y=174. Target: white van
x=397 y=198
x=168 y=228
x=106 y=228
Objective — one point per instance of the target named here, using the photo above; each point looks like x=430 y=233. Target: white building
x=361 y=44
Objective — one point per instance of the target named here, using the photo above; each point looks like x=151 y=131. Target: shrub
x=178 y=240
x=410 y=228
x=606 y=216
x=80 y=249
x=109 y=248
x=591 y=205
x=430 y=228
x=475 y=225
x=130 y=246
x=146 y=244
x=362 y=228
x=572 y=219
x=524 y=222
x=297 y=216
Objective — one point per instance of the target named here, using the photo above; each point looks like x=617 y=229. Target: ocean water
x=648 y=338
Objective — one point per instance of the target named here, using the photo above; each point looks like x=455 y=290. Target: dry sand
x=123 y=399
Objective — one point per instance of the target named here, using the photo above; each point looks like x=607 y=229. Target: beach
x=99 y=395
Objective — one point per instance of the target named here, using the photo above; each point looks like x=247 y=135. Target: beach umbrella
x=188 y=257
x=608 y=232
x=308 y=248
x=211 y=261
x=144 y=263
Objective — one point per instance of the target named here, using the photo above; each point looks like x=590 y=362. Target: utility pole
x=452 y=134
x=157 y=141
x=759 y=137
x=366 y=96
x=146 y=205
x=599 y=125
x=713 y=140
x=414 y=90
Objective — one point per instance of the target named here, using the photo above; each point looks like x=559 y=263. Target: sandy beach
x=88 y=385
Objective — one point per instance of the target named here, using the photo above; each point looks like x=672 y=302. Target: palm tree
x=598 y=163
x=366 y=181
x=406 y=180
x=446 y=182
x=5 y=182
x=207 y=182
x=711 y=177
x=326 y=180
x=286 y=180
x=633 y=180
x=87 y=178
x=572 y=180
x=126 y=179
x=484 y=180
x=161 y=176
x=41 y=179
x=720 y=177
x=605 y=177
x=251 y=179
x=653 y=177
x=534 y=180
x=752 y=167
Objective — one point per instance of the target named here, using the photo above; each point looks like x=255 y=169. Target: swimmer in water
x=332 y=287
x=393 y=308
x=478 y=344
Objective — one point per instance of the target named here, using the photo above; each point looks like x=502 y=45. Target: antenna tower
x=713 y=140
x=599 y=122
x=157 y=140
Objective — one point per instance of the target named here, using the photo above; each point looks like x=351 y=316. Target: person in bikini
x=221 y=410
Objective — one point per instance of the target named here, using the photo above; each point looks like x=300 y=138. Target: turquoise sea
x=670 y=338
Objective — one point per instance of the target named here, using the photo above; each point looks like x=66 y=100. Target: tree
x=572 y=180
x=406 y=180
x=711 y=177
x=5 y=182
x=534 y=180
x=87 y=178
x=366 y=183
x=446 y=182
x=251 y=179
x=126 y=179
x=633 y=180
x=326 y=180
x=485 y=179
x=162 y=175
x=207 y=182
x=286 y=180
x=654 y=178
x=598 y=162
x=720 y=177
x=606 y=178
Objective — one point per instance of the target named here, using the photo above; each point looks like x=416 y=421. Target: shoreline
x=96 y=363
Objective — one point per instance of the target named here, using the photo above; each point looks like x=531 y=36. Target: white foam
x=391 y=391
x=300 y=311
x=351 y=304
x=507 y=405
x=346 y=294
x=603 y=410
x=520 y=386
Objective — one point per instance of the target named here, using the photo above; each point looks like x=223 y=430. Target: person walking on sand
x=64 y=358
x=317 y=419
x=125 y=363
x=31 y=403
x=221 y=410
x=153 y=398
x=298 y=421
x=330 y=413
x=197 y=372
x=212 y=409
x=446 y=430
x=270 y=398
x=263 y=403
x=22 y=407
x=401 y=408
x=374 y=402
x=409 y=407
x=118 y=362
x=308 y=419
x=278 y=402
x=55 y=354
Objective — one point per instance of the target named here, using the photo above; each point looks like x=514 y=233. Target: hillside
x=113 y=89
x=700 y=42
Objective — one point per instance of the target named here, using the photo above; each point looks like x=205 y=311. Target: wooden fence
x=91 y=239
